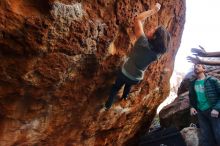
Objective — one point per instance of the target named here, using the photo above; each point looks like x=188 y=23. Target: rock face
x=58 y=62
x=177 y=113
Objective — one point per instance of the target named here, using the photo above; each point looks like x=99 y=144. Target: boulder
x=58 y=62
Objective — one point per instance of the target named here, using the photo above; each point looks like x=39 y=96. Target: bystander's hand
x=214 y=113
x=193 y=111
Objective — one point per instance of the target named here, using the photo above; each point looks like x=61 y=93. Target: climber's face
x=150 y=33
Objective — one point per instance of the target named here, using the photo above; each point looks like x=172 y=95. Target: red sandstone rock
x=58 y=61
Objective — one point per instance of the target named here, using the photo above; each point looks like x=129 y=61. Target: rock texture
x=58 y=61
x=177 y=113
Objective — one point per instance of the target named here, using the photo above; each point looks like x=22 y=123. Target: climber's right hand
x=157 y=6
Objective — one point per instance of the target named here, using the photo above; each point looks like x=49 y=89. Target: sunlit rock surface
x=58 y=62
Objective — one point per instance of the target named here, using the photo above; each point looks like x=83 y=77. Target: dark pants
x=210 y=128
x=120 y=81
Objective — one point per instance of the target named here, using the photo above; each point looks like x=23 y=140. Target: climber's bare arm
x=138 y=26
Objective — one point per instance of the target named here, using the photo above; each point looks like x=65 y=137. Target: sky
x=202 y=27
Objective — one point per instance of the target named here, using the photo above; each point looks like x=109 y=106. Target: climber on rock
x=146 y=49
